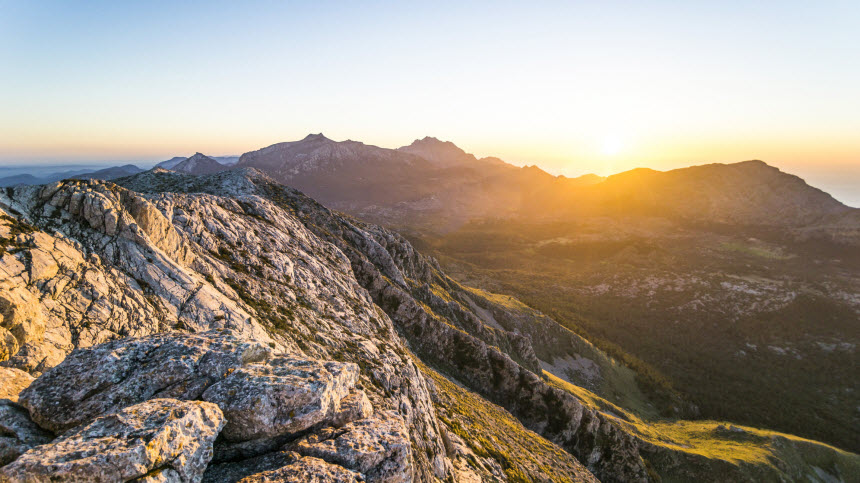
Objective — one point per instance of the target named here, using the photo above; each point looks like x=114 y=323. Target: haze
x=573 y=88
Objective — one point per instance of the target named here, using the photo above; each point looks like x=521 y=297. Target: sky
x=573 y=87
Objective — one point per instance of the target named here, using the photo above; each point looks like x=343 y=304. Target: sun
x=611 y=145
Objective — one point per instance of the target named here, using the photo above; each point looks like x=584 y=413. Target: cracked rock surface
x=18 y=433
x=158 y=440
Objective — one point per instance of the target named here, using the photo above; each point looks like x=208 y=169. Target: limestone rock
x=12 y=382
x=377 y=446
x=131 y=371
x=353 y=407
x=21 y=320
x=306 y=470
x=36 y=358
x=160 y=440
x=17 y=432
x=283 y=396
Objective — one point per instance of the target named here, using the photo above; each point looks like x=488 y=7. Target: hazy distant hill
x=111 y=173
x=430 y=181
x=199 y=164
x=175 y=161
x=19 y=179
x=447 y=154
x=105 y=173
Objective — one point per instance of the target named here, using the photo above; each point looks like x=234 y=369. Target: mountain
x=226 y=160
x=174 y=161
x=111 y=173
x=225 y=326
x=746 y=193
x=437 y=186
x=441 y=153
x=19 y=179
x=346 y=174
x=199 y=164
x=105 y=173
x=443 y=189
x=171 y=163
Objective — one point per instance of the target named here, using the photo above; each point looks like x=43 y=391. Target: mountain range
x=438 y=186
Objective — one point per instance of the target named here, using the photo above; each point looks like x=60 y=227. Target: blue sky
x=574 y=87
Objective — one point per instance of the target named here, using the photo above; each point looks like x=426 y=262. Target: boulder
x=18 y=433
x=158 y=440
x=284 y=396
x=306 y=470
x=130 y=371
x=377 y=447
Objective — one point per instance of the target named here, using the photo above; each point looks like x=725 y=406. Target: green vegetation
x=492 y=432
x=755 y=250
x=16 y=227
x=724 y=449
x=639 y=298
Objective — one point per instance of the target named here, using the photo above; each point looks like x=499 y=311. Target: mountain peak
x=443 y=153
x=316 y=137
x=199 y=164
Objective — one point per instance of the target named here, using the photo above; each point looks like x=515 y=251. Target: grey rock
x=21 y=318
x=377 y=447
x=158 y=440
x=283 y=396
x=18 y=433
x=131 y=371
x=306 y=470
x=353 y=407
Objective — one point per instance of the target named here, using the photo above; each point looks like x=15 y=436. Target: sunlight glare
x=611 y=146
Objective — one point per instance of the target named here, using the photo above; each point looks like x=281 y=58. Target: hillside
x=285 y=282
x=746 y=193
x=199 y=164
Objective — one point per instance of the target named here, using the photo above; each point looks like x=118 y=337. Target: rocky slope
x=276 y=340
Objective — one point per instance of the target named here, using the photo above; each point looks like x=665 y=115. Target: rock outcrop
x=378 y=447
x=131 y=371
x=306 y=470
x=158 y=440
x=284 y=396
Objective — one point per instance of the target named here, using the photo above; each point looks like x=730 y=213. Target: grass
x=491 y=432
x=756 y=251
x=699 y=352
x=16 y=227
x=738 y=450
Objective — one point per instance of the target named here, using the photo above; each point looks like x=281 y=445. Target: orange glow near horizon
x=573 y=88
